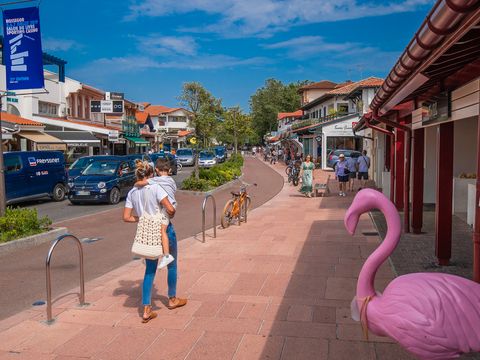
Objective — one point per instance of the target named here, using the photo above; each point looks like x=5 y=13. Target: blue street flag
x=22 y=49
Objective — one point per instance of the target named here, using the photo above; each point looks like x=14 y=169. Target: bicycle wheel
x=227 y=215
x=295 y=181
x=179 y=166
x=288 y=170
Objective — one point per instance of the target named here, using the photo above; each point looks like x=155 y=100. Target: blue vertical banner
x=22 y=49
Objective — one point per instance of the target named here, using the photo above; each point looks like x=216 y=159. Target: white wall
x=465 y=146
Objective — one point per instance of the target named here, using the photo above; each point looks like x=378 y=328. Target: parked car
x=34 y=174
x=82 y=163
x=206 y=159
x=171 y=158
x=186 y=157
x=220 y=153
x=332 y=158
x=103 y=181
x=143 y=157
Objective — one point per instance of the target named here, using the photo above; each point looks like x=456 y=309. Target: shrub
x=18 y=223
x=215 y=176
x=195 y=185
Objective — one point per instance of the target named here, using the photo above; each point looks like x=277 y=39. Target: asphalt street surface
x=107 y=242
x=58 y=211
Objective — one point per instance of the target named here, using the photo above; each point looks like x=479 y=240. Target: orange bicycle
x=236 y=207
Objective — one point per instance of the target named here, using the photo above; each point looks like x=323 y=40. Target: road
x=59 y=211
x=108 y=242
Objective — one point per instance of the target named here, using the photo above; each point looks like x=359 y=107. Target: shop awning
x=43 y=141
x=76 y=138
x=138 y=141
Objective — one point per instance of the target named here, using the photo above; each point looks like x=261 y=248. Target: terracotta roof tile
x=347 y=89
x=298 y=113
x=324 y=84
x=182 y=133
x=141 y=117
x=156 y=110
x=15 y=119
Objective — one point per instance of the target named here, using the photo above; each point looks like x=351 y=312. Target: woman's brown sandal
x=151 y=315
x=179 y=303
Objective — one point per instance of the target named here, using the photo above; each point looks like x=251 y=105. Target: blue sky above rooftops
x=148 y=48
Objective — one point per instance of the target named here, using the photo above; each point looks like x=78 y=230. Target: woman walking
x=306 y=172
x=147 y=199
x=342 y=174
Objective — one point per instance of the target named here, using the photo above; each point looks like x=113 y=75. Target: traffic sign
x=193 y=140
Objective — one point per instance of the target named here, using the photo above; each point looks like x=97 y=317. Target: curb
x=31 y=241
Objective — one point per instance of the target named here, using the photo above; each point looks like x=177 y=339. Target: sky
x=149 y=48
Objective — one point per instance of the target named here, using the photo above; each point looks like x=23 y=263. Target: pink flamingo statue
x=432 y=315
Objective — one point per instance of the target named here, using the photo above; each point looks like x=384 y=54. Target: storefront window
x=75 y=152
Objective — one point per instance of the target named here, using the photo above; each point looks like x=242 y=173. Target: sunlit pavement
x=277 y=287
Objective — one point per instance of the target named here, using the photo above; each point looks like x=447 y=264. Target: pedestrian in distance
x=363 y=164
x=342 y=174
x=273 y=159
x=306 y=174
x=352 y=168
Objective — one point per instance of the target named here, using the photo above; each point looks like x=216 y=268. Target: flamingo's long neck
x=365 y=284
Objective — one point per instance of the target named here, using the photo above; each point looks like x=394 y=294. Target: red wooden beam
x=418 y=177
x=476 y=229
x=444 y=193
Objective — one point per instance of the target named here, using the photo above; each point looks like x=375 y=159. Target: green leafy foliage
x=215 y=176
x=269 y=100
x=18 y=223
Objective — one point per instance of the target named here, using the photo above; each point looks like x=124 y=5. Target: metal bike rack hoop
x=49 y=280
x=204 y=205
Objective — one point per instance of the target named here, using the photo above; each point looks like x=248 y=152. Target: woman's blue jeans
x=151 y=270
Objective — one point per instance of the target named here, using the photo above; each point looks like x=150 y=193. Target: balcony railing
x=314 y=121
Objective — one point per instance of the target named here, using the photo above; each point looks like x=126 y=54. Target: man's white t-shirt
x=146 y=198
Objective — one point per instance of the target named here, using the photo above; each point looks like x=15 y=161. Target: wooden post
x=444 y=193
x=418 y=178
x=476 y=229
x=399 y=168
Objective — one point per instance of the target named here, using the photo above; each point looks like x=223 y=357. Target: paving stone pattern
x=278 y=287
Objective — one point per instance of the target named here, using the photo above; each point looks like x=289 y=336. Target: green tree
x=205 y=109
x=236 y=123
x=269 y=100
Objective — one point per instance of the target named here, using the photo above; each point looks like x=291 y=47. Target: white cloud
x=265 y=17
x=53 y=44
x=156 y=44
x=115 y=65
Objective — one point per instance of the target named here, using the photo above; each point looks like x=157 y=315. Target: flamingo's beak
x=351 y=218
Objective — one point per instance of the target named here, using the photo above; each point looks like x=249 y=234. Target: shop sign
x=114 y=96
x=113 y=135
x=80 y=144
x=61 y=147
x=106 y=106
x=22 y=52
x=12 y=100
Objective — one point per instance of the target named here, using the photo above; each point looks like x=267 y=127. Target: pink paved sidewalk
x=278 y=287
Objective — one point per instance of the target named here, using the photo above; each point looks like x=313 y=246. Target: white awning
x=71 y=125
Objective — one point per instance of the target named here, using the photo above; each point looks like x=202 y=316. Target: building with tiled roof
x=312 y=91
x=286 y=119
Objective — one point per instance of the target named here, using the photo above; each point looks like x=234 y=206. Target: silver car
x=186 y=157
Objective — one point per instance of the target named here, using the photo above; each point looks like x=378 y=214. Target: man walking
x=363 y=164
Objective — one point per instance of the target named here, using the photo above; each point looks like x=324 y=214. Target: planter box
x=31 y=241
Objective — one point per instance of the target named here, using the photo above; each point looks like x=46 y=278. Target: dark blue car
x=220 y=153
x=34 y=174
x=82 y=163
x=103 y=181
x=172 y=159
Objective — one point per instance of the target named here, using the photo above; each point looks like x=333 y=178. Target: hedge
x=18 y=223
x=216 y=176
